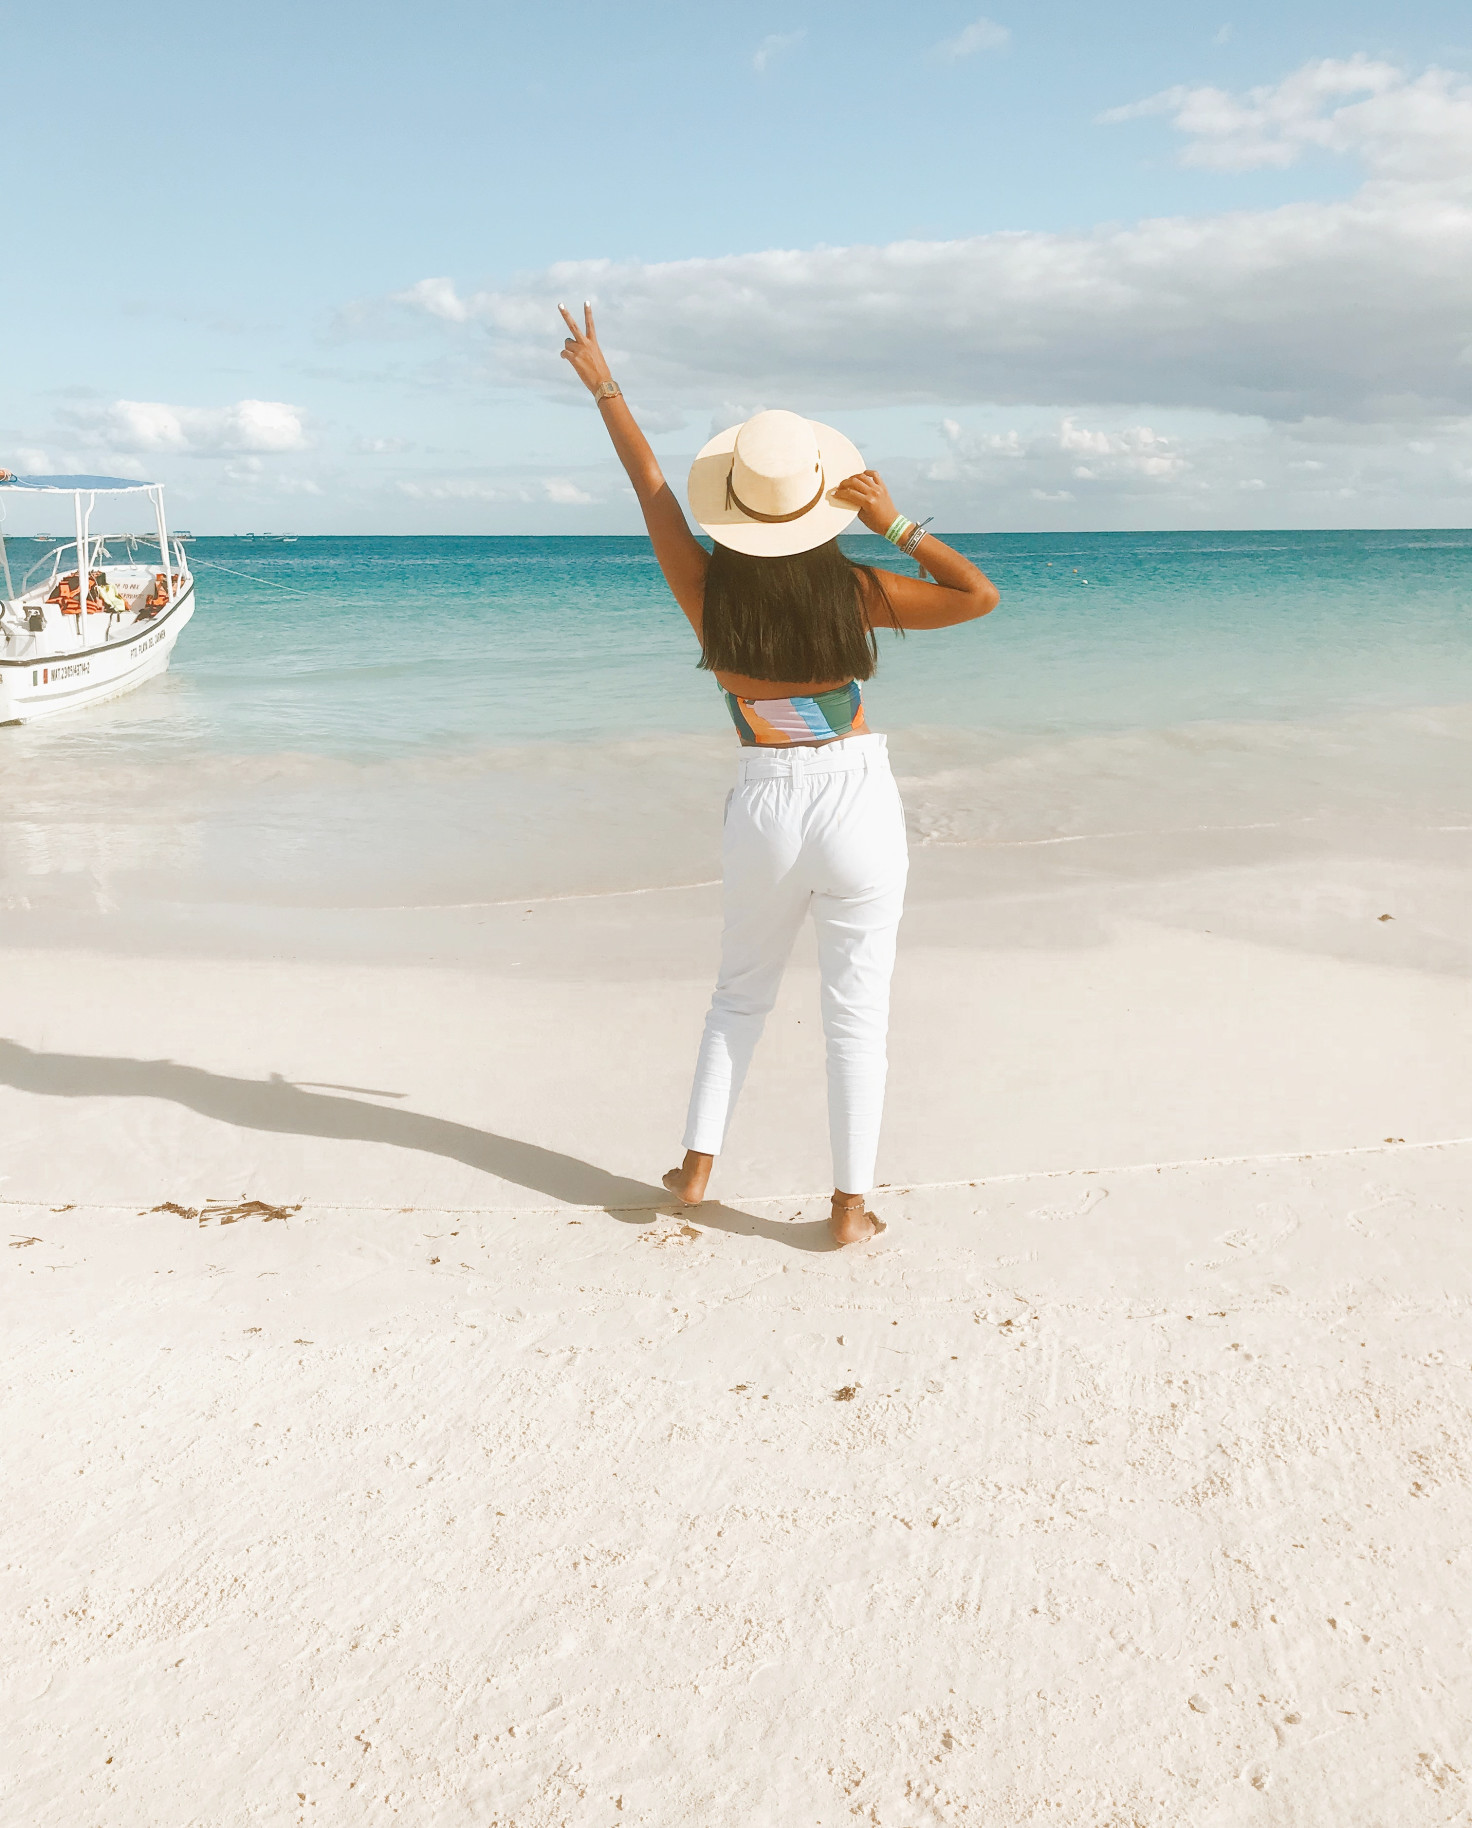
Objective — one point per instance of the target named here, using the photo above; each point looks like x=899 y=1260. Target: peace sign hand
x=581 y=349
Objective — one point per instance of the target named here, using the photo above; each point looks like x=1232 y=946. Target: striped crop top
x=775 y=722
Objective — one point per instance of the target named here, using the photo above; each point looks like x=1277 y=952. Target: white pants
x=818 y=829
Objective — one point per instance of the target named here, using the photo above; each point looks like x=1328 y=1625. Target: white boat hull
x=45 y=685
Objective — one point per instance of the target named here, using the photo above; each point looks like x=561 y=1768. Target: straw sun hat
x=766 y=487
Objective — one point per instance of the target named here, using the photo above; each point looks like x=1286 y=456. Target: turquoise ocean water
x=363 y=647
x=351 y=719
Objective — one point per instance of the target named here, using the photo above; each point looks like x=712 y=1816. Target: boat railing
x=101 y=555
x=53 y=559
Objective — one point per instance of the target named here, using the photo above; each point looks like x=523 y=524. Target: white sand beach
x=1124 y=1481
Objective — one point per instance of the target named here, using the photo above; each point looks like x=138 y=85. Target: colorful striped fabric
x=775 y=722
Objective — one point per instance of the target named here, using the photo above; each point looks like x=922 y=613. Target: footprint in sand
x=668 y=1229
x=1384 y=1208
x=1078 y=1209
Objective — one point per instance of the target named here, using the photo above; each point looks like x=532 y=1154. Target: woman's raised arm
x=961 y=591
x=681 y=556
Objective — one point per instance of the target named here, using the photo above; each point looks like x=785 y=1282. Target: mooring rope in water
x=251 y=578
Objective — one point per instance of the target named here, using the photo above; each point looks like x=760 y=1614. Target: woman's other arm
x=961 y=591
x=681 y=556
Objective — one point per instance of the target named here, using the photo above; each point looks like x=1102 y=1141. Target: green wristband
x=896 y=529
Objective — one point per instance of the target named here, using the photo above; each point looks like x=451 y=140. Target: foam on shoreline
x=151 y=843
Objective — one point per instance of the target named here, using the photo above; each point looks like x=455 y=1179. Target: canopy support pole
x=82 y=569
x=163 y=540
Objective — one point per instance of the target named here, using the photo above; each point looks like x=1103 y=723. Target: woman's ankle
x=689 y=1180
x=850 y=1221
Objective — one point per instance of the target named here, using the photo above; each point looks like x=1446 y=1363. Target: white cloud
x=773 y=46
x=1100 y=469
x=1137 y=450
x=1198 y=472
x=1335 y=334
x=456 y=488
x=139 y=426
x=1355 y=309
x=1411 y=130
x=502 y=486
x=1129 y=458
x=980 y=35
x=381 y=447
x=997 y=444
x=657 y=419
x=437 y=297
x=561 y=490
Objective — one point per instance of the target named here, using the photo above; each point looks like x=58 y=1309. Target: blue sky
x=316 y=244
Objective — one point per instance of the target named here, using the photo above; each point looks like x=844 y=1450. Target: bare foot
x=688 y=1181
x=849 y=1223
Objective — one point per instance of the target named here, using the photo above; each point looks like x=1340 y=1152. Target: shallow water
x=410 y=722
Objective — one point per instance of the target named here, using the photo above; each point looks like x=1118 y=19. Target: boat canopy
x=84 y=491
x=67 y=485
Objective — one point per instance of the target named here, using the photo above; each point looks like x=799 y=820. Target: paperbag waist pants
x=820 y=831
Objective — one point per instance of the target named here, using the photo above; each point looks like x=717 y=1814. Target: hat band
x=733 y=500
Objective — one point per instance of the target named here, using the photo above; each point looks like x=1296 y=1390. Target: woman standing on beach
x=786 y=623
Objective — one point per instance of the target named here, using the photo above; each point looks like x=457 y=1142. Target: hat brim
x=825 y=520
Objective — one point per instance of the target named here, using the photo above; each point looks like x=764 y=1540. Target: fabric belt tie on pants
x=803 y=761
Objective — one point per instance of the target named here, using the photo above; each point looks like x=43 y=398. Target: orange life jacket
x=65 y=594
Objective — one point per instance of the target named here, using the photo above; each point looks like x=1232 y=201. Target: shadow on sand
x=282 y=1108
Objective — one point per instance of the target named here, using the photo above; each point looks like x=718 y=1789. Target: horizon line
x=947 y=533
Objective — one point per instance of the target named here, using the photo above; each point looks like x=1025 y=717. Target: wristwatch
x=605 y=390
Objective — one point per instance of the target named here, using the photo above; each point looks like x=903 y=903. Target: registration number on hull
x=49 y=675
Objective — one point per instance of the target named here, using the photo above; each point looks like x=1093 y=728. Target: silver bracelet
x=913 y=538
x=606 y=390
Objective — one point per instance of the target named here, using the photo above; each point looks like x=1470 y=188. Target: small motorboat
x=64 y=645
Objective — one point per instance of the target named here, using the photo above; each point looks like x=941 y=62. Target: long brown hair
x=796 y=617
